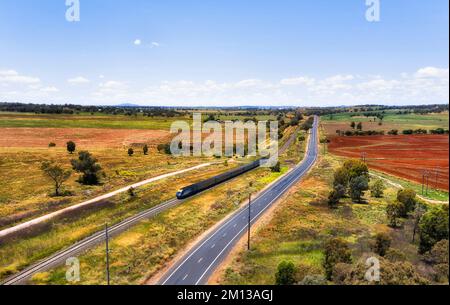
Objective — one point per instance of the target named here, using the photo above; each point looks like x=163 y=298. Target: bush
x=164 y=148
x=314 y=280
x=71 y=147
x=88 y=166
x=130 y=152
x=145 y=149
x=408 y=198
x=394 y=255
x=377 y=188
x=393 y=132
x=276 y=168
x=336 y=251
x=382 y=244
x=285 y=274
x=433 y=227
x=51 y=144
x=394 y=211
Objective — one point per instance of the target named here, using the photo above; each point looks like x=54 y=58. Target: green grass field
x=393 y=120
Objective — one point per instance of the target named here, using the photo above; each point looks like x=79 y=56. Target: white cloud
x=13 y=77
x=426 y=85
x=50 y=89
x=155 y=44
x=432 y=72
x=137 y=42
x=297 y=81
x=78 y=80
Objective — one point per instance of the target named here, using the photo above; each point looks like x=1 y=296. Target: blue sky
x=247 y=52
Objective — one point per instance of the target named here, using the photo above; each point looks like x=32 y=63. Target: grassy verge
x=433 y=194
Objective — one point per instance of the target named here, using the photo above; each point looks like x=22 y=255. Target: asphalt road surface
x=200 y=262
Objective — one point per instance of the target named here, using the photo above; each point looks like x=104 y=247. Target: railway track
x=60 y=257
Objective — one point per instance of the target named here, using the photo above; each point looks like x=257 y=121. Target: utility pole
x=423 y=181
x=437 y=177
x=249 y=219
x=107 y=255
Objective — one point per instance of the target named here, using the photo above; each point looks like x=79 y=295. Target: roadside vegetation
x=323 y=233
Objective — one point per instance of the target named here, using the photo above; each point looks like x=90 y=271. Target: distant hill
x=128 y=105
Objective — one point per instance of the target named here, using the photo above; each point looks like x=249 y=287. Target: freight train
x=209 y=183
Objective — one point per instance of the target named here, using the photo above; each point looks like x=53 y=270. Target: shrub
x=394 y=211
x=51 y=144
x=145 y=149
x=433 y=227
x=130 y=152
x=336 y=251
x=382 y=244
x=285 y=274
x=393 y=132
x=408 y=198
x=88 y=166
x=276 y=168
x=377 y=188
x=395 y=255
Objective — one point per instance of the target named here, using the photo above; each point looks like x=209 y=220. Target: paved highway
x=201 y=261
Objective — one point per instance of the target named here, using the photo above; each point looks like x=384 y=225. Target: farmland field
x=403 y=156
x=390 y=121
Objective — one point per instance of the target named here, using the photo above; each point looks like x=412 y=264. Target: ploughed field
x=403 y=156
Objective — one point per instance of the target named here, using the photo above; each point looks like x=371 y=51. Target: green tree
x=408 y=198
x=56 y=173
x=336 y=251
x=377 y=188
x=353 y=125
x=360 y=126
x=341 y=178
x=394 y=211
x=71 y=147
x=358 y=186
x=335 y=196
x=356 y=168
x=285 y=274
x=145 y=149
x=88 y=166
x=130 y=152
x=382 y=243
x=433 y=227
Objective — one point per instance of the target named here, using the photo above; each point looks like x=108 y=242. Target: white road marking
x=212 y=247
x=200 y=260
x=185 y=277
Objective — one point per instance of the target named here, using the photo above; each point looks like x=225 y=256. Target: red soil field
x=85 y=137
x=403 y=156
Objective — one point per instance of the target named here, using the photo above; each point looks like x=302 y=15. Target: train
x=211 y=182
